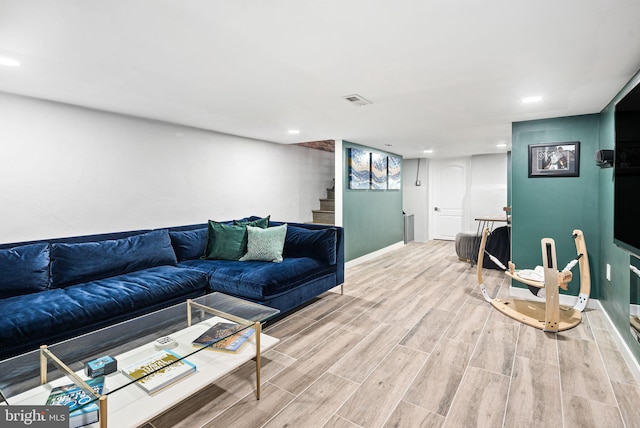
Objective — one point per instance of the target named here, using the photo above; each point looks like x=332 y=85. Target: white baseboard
x=373 y=255
x=624 y=348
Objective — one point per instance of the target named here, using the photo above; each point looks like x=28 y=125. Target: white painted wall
x=487 y=192
x=68 y=171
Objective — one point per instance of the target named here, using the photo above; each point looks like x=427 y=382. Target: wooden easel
x=548 y=315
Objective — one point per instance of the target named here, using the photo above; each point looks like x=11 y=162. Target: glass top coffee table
x=158 y=366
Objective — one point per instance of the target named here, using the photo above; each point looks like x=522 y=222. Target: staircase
x=327 y=212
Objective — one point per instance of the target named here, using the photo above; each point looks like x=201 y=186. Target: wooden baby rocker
x=548 y=315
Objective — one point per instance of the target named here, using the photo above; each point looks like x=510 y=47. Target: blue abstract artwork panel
x=394 y=173
x=359 y=169
x=378 y=171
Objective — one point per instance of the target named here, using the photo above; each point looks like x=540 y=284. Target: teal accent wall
x=553 y=207
x=615 y=294
x=372 y=219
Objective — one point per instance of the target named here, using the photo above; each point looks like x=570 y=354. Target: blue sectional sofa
x=51 y=290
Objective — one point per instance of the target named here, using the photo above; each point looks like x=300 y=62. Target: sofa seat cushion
x=105 y=298
x=259 y=280
x=35 y=315
x=38 y=317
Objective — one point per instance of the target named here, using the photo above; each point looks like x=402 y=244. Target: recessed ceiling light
x=501 y=145
x=294 y=131
x=9 y=62
x=532 y=99
x=428 y=151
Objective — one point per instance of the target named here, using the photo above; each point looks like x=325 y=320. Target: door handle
x=436 y=209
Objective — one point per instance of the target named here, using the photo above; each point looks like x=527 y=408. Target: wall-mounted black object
x=604 y=158
x=626 y=174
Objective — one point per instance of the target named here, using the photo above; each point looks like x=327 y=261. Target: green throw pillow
x=229 y=241
x=226 y=241
x=261 y=222
x=265 y=244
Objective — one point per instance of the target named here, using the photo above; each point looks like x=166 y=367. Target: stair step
x=331 y=193
x=327 y=204
x=324 y=217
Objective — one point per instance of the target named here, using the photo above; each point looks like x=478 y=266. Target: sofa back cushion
x=24 y=269
x=189 y=244
x=318 y=244
x=74 y=263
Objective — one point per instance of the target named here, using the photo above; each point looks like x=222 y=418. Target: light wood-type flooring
x=411 y=343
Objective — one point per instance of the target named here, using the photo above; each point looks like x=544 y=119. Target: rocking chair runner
x=548 y=315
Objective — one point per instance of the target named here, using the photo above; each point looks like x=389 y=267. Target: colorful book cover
x=158 y=370
x=219 y=331
x=72 y=396
x=225 y=337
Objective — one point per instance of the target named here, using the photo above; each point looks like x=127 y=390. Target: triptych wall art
x=375 y=171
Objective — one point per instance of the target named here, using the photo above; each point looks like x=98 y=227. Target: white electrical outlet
x=608 y=272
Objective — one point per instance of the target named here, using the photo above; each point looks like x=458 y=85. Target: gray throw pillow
x=265 y=244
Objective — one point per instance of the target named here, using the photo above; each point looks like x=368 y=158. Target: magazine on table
x=225 y=337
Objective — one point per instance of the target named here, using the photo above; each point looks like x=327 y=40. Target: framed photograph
x=554 y=159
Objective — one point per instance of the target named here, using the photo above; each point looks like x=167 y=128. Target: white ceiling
x=442 y=75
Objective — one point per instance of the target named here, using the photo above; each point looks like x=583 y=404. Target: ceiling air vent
x=357 y=100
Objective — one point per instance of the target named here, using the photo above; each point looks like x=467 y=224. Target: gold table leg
x=258 y=331
x=102 y=403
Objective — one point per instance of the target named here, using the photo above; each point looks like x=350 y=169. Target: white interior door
x=448 y=190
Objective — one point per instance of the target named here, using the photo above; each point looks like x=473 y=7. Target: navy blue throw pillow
x=318 y=244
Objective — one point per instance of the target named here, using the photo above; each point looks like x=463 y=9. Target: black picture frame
x=554 y=159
